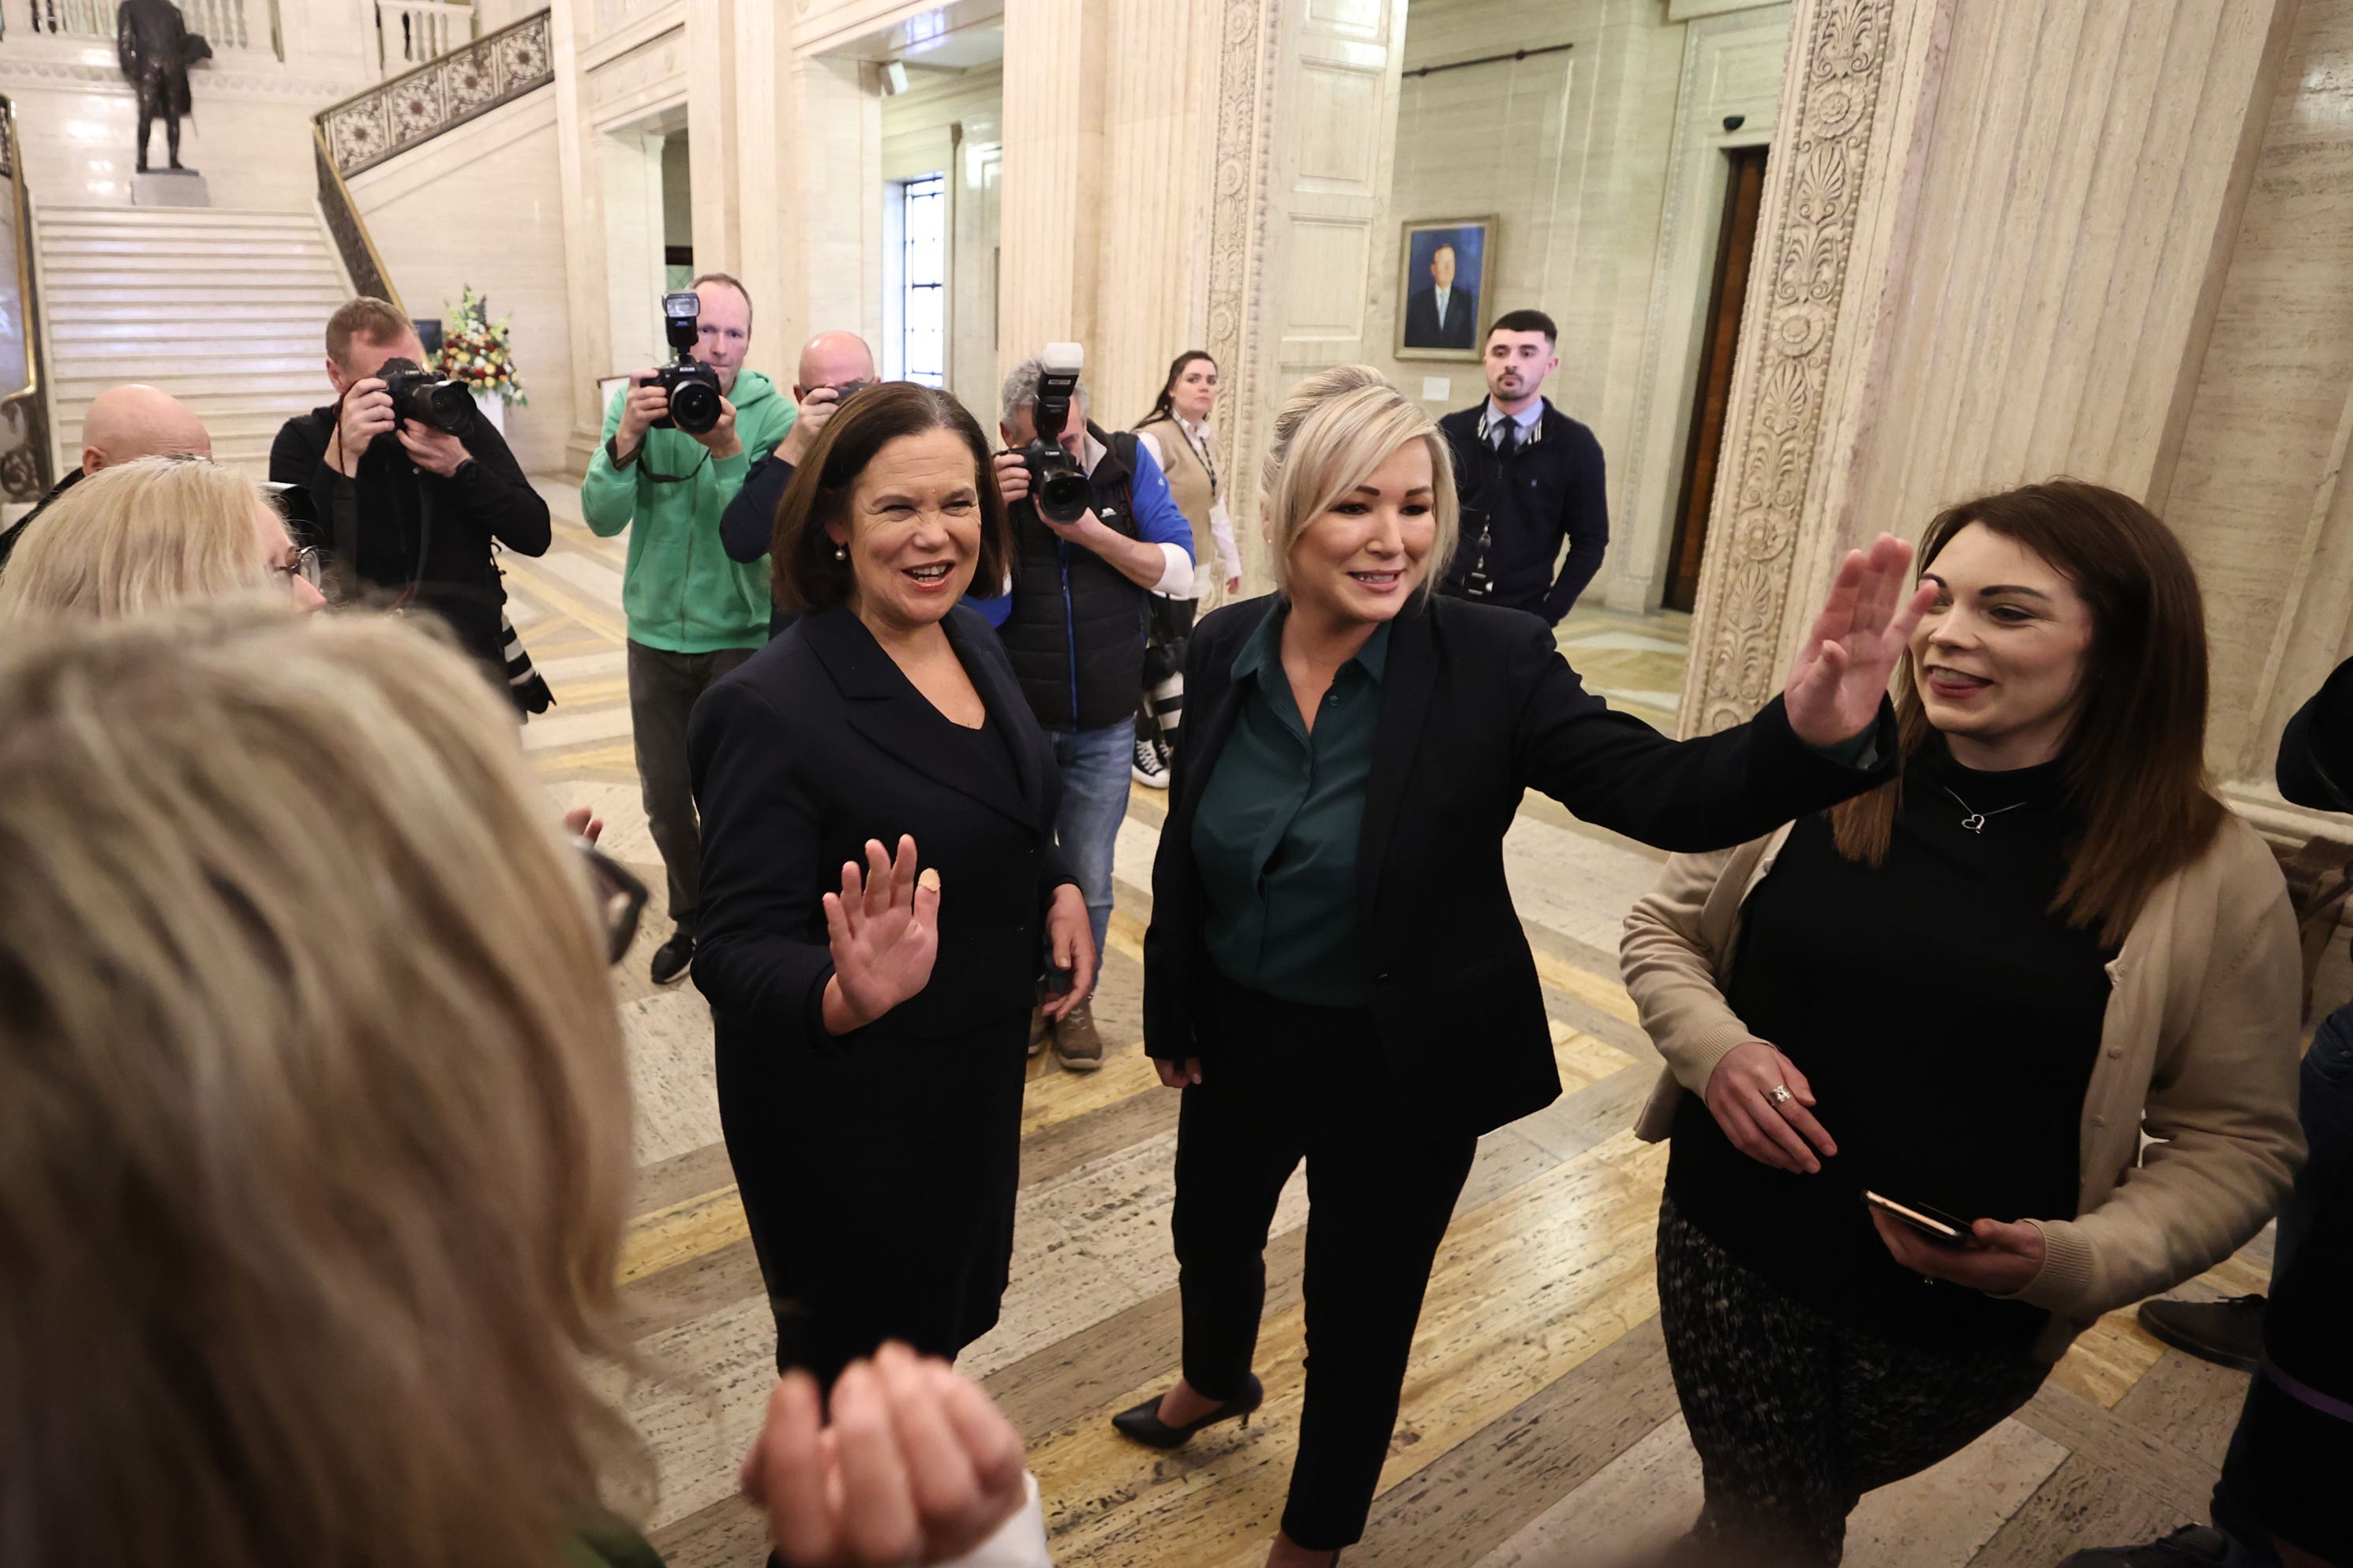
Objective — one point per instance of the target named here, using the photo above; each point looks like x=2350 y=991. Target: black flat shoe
x=1144 y=1423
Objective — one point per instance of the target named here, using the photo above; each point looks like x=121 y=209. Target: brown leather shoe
x=1076 y=1044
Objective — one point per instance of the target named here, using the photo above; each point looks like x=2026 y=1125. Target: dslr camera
x=1057 y=486
x=421 y=397
x=693 y=387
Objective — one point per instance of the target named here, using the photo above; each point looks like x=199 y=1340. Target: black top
x=10 y=539
x=817 y=744
x=2304 y=1325
x=1519 y=510
x=2315 y=754
x=371 y=529
x=749 y=520
x=1476 y=707
x=1948 y=1023
x=1076 y=625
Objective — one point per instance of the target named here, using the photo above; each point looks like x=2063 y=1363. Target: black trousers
x=1288 y=1083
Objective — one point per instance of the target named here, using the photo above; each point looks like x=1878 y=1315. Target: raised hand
x=916 y=1466
x=885 y=929
x=1841 y=673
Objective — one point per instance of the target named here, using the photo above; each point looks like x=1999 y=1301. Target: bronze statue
x=156 y=48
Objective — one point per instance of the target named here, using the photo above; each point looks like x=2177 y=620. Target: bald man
x=833 y=365
x=123 y=422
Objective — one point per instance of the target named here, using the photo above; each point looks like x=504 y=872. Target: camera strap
x=424 y=539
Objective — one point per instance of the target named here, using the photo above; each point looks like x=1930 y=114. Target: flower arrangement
x=475 y=352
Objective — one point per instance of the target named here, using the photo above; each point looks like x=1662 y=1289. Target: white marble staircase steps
x=223 y=308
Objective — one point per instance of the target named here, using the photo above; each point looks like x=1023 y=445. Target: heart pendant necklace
x=1975 y=820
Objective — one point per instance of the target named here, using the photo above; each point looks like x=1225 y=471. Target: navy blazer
x=812 y=746
x=1477 y=707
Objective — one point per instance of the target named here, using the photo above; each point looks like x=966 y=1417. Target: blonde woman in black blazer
x=1335 y=971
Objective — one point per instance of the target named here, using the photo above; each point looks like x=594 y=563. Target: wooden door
x=1744 y=193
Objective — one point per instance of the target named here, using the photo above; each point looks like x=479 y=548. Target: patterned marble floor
x=1635 y=661
x=1539 y=1426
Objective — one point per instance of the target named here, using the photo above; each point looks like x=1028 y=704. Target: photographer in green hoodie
x=694 y=614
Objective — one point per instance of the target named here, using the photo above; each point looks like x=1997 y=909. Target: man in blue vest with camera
x=1096 y=534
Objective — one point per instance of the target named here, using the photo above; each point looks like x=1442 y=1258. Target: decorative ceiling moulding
x=462 y=85
x=632 y=36
x=1836 y=88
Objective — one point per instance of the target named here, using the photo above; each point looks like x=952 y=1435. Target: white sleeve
x=1021 y=1543
x=1151 y=444
x=1221 y=528
x=1177 y=578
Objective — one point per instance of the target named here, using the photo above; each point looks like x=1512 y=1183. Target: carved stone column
x=1307 y=103
x=1991 y=244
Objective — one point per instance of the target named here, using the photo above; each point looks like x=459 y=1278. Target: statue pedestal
x=170 y=188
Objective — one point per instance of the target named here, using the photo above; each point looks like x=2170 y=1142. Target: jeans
x=663 y=687
x=1094 y=766
x=2287 y=1457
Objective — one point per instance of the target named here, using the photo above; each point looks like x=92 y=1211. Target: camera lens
x=1064 y=496
x=694 y=406
x=450 y=405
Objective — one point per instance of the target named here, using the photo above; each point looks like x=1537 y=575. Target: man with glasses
x=403 y=513
x=694 y=614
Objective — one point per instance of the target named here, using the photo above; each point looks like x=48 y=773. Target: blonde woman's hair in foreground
x=1336 y=428
x=314 y=1130
x=131 y=538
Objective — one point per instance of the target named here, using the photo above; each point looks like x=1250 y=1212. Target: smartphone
x=1933 y=1223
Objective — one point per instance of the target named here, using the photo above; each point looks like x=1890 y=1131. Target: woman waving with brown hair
x=1913 y=1043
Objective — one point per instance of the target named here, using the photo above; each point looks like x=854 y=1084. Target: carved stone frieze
x=1245 y=44
x=1773 y=435
x=364 y=131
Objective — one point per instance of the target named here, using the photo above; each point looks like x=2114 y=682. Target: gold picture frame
x=1447 y=327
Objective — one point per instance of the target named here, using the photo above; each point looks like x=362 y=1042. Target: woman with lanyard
x=1913 y=1044
x=1330 y=913
x=1178 y=433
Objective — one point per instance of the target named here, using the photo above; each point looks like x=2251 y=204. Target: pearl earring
x=840 y=554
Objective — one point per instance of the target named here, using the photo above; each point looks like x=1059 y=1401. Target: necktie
x=1507 y=437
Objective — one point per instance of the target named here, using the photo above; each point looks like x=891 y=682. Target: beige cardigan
x=2199 y=1049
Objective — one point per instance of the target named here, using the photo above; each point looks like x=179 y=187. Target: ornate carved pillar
x=1991 y=244
x=1305 y=116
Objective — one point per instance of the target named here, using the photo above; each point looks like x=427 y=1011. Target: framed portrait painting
x=1442 y=287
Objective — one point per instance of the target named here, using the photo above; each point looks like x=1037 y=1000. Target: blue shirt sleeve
x=1157 y=520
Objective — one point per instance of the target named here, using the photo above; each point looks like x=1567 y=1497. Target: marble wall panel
x=429 y=211
x=2255 y=497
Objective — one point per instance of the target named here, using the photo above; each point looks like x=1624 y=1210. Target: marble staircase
x=225 y=310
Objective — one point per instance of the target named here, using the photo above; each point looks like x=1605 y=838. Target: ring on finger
x=1780 y=1095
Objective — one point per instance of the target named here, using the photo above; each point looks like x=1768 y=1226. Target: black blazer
x=1477 y=706
x=809 y=749
x=1422 y=328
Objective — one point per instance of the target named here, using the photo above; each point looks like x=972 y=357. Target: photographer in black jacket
x=1529 y=477
x=396 y=506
